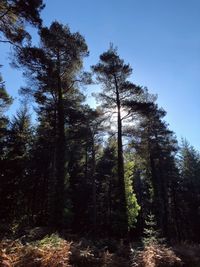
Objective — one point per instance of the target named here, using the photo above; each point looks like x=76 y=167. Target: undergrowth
x=156 y=256
x=53 y=251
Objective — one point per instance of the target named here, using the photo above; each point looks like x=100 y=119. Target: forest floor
x=54 y=251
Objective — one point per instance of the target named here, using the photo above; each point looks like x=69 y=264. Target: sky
x=160 y=40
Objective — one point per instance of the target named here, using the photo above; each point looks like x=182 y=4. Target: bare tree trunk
x=94 y=188
x=120 y=163
x=60 y=166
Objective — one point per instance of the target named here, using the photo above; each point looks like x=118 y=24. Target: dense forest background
x=114 y=171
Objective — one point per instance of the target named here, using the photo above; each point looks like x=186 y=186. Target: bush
x=156 y=256
x=51 y=251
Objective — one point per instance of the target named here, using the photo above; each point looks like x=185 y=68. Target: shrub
x=156 y=256
x=51 y=251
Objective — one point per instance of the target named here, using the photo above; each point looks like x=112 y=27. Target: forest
x=111 y=185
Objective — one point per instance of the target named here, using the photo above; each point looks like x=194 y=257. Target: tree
x=5 y=102
x=54 y=69
x=132 y=205
x=188 y=191
x=13 y=16
x=5 y=99
x=43 y=169
x=112 y=73
x=107 y=194
x=83 y=135
x=157 y=146
x=93 y=130
x=15 y=181
x=151 y=234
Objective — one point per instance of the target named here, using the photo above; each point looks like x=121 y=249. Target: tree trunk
x=94 y=188
x=60 y=168
x=120 y=163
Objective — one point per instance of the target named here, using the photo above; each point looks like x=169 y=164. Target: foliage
x=54 y=68
x=151 y=233
x=14 y=14
x=156 y=148
x=156 y=255
x=112 y=73
x=132 y=206
x=5 y=99
x=53 y=251
x=47 y=253
x=52 y=240
x=99 y=172
x=189 y=191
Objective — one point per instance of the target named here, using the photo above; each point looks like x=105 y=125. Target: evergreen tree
x=107 y=193
x=157 y=147
x=15 y=185
x=112 y=73
x=132 y=206
x=55 y=69
x=14 y=14
x=189 y=192
x=5 y=102
x=151 y=233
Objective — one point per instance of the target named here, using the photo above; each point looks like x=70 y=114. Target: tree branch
x=126 y=116
x=5 y=13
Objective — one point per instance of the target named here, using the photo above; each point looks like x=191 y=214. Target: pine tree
x=5 y=102
x=55 y=69
x=14 y=14
x=189 y=191
x=15 y=191
x=107 y=193
x=157 y=147
x=151 y=233
x=112 y=73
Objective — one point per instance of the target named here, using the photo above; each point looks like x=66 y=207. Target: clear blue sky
x=160 y=39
